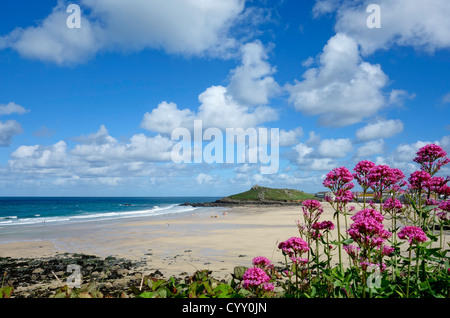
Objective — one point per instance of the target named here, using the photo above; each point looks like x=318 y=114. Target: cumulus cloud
x=380 y=129
x=423 y=25
x=186 y=27
x=290 y=137
x=8 y=130
x=241 y=104
x=52 y=41
x=251 y=83
x=344 y=89
x=203 y=178
x=307 y=159
x=335 y=148
x=97 y=154
x=370 y=148
x=12 y=108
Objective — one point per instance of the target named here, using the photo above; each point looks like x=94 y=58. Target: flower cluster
x=384 y=178
x=312 y=209
x=413 y=234
x=393 y=206
x=256 y=277
x=338 y=179
x=437 y=184
x=325 y=225
x=418 y=179
x=352 y=251
x=386 y=250
x=367 y=229
x=362 y=170
x=262 y=262
x=294 y=246
x=344 y=196
x=445 y=206
x=444 y=215
x=431 y=158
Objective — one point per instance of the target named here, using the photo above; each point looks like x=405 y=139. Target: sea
x=26 y=211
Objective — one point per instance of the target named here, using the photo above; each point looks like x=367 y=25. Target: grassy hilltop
x=258 y=193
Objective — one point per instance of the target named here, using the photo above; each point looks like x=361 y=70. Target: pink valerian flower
x=299 y=261
x=418 y=179
x=254 y=277
x=436 y=184
x=366 y=265
x=262 y=262
x=362 y=170
x=393 y=206
x=268 y=287
x=443 y=216
x=367 y=230
x=413 y=234
x=386 y=250
x=368 y=213
x=431 y=158
x=352 y=251
x=337 y=179
x=445 y=206
x=384 y=178
x=325 y=225
x=294 y=246
x=312 y=204
x=344 y=196
x=312 y=209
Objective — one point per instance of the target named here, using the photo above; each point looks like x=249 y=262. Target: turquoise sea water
x=22 y=211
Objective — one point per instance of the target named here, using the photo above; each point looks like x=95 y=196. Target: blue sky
x=89 y=111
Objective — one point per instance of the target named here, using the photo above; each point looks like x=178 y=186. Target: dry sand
x=204 y=240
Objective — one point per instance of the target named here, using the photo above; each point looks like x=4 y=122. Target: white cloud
x=251 y=83
x=52 y=41
x=12 y=108
x=8 y=130
x=166 y=117
x=203 y=178
x=306 y=158
x=380 y=129
x=290 y=137
x=344 y=89
x=335 y=148
x=445 y=144
x=98 y=154
x=423 y=25
x=41 y=159
x=370 y=148
x=176 y=26
x=398 y=97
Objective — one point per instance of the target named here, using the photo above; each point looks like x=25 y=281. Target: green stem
x=409 y=272
x=339 y=242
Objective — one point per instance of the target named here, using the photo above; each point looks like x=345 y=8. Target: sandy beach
x=214 y=239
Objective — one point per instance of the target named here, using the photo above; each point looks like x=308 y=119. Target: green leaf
x=146 y=295
x=5 y=292
x=239 y=272
x=347 y=241
x=429 y=208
